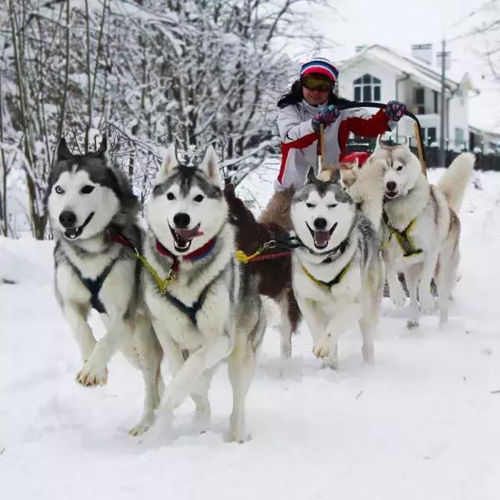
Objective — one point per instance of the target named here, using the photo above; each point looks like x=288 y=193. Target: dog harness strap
x=94 y=285
x=191 y=311
x=193 y=256
x=403 y=237
x=331 y=283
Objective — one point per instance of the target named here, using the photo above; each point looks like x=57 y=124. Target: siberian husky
x=204 y=304
x=274 y=275
x=421 y=227
x=92 y=212
x=338 y=275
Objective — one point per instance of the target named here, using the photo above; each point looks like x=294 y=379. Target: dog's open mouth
x=184 y=237
x=321 y=238
x=75 y=232
x=391 y=194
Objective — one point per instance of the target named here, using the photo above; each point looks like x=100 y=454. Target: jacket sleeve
x=361 y=122
x=294 y=132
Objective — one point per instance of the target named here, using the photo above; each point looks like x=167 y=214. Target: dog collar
x=193 y=256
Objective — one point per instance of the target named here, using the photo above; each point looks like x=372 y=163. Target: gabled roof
x=420 y=71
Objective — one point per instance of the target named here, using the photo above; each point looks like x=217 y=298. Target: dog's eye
x=199 y=198
x=170 y=196
x=310 y=205
x=333 y=205
x=59 y=190
x=87 y=189
x=400 y=168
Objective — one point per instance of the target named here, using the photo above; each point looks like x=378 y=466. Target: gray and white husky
x=421 y=227
x=338 y=275
x=92 y=212
x=204 y=305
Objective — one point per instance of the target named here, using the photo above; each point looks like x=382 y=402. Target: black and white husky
x=204 y=305
x=92 y=212
x=338 y=275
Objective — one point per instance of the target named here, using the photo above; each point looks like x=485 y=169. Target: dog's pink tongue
x=189 y=234
x=321 y=238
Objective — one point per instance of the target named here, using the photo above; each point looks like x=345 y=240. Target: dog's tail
x=455 y=180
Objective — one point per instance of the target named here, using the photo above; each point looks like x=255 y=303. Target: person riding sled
x=310 y=102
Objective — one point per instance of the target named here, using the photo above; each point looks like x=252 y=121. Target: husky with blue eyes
x=338 y=275
x=93 y=216
x=204 y=304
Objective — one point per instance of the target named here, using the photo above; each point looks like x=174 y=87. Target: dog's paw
x=91 y=376
x=234 y=436
x=144 y=425
x=322 y=350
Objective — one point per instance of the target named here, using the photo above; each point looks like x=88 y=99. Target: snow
x=420 y=423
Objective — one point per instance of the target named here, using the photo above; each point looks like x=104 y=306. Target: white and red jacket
x=299 y=141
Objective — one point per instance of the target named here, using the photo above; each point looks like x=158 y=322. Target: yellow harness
x=331 y=283
x=403 y=237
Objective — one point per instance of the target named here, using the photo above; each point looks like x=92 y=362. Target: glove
x=326 y=117
x=395 y=110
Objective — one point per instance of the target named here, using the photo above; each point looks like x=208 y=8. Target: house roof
x=418 y=70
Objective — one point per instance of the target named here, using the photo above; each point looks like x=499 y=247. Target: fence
x=483 y=162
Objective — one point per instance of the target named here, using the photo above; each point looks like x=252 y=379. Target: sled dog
x=337 y=273
x=92 y=212
x=274 y=275
x=421 y=228
x=204 y=304
x=365 y=185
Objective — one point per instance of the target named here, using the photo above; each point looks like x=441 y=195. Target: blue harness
x=94 y=285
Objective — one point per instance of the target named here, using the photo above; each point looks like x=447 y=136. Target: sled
x=417 y=128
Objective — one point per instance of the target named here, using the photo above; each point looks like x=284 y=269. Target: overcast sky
x=400 y=24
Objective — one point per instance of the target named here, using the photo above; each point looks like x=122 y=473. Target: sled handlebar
x=418 y=128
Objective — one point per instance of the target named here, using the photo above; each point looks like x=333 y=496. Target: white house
x=378 y=73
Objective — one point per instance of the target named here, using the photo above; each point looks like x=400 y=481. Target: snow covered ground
x=422 y=423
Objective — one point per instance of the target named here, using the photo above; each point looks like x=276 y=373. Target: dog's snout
x=391 y=186
x=182 y=220
x=67 y=218
x=320 y=223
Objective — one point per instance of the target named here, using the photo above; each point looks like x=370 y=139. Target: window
x=459 y=136
x=420 y=101
x=367 y=88
x=436 y=102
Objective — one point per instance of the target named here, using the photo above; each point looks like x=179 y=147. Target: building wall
x=383 y=73
x=458 y=112
x=458 y=109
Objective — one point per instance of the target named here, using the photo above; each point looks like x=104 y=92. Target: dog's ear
x=406 y=142
x=378 y=144
x=169 y=163
x=102 y=148
x=349 y=174
x=210 y=166
x=311 y=176
x=63 y=153
x=336 y=175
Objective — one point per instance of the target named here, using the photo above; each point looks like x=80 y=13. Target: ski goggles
x=314 y=82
